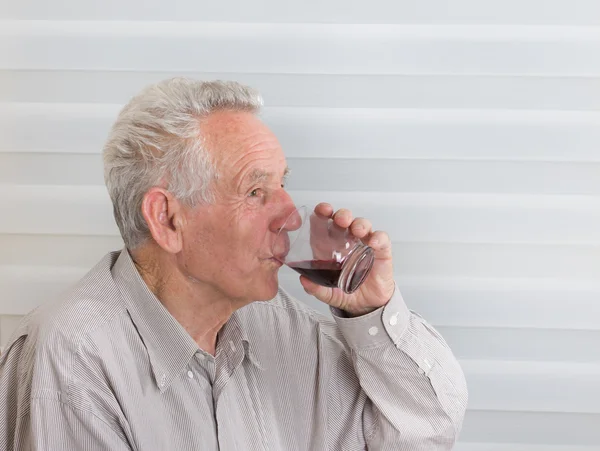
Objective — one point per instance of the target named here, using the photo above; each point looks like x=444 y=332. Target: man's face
x=228 y=244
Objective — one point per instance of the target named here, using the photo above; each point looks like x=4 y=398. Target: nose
x=293 y=221
x=287 y=217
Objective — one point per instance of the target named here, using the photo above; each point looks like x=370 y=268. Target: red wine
x=322 y=272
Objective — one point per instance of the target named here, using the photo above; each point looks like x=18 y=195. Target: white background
x=467 y=129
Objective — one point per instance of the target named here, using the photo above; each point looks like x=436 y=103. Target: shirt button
x=163 y=380
x=394 y=320
x=373 y=331
x=190 y=375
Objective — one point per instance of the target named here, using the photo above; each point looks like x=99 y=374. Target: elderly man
x=184 y=341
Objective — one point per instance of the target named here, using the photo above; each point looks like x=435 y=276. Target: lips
x=276 y=261
x=281 y=247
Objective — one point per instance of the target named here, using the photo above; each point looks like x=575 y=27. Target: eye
x=254 y=192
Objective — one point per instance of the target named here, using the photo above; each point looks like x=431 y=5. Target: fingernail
x=374 y=243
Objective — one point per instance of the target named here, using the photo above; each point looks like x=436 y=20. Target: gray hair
x=156 y=141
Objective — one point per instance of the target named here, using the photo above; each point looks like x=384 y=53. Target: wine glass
x=314 y=246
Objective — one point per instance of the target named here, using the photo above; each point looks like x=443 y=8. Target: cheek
x=233 y=243
x=249 y=240
x=201 y=238
x=260 y=229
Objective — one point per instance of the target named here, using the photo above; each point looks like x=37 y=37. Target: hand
x=379 y=286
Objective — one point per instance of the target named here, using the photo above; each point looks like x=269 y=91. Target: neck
x=197 y=306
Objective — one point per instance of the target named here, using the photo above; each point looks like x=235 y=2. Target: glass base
x=356 y=268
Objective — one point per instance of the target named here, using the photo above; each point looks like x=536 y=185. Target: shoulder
x=89 y=304
x=48 y=338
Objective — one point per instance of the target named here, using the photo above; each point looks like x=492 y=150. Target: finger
x=342 y=218
x=319 y=226
x=322 y=293
x=324 y=209
x=361 y=227
x=381 y=244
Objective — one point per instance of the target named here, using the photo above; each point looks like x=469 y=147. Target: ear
x=164 y=216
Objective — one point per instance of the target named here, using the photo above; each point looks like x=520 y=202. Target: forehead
x=242 y=147
x=230 y=134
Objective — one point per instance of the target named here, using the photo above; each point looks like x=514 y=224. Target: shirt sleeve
x=56 y=425
x=416 y=390
x=42 y=420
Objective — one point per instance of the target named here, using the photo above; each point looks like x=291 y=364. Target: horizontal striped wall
x=468 y=130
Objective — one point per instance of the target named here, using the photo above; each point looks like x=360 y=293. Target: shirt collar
x=169 y=346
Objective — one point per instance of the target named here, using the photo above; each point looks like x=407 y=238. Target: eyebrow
x=259 y=175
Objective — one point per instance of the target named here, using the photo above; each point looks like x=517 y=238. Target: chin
x=267 y=290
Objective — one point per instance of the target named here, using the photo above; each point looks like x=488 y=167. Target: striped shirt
x=108 y=368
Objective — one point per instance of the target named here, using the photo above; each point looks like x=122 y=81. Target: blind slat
x=581 y=12
x=342 y=133
x=328 y=91
x=86 y=210
x=330 y=174
x=300 y=48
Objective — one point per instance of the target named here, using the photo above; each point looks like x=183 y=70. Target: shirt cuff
x=382 y=326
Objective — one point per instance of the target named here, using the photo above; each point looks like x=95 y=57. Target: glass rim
x=303 y=210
